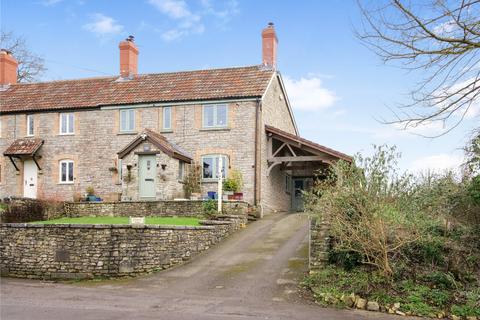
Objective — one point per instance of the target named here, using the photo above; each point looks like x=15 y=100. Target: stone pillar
x=319 y=242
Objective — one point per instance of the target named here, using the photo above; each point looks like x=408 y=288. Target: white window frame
x=70 y=121
x=67 y=178
x=166 y=127
x=129 y=113
x=226 y=163
x=30 y=126
x=215 y=116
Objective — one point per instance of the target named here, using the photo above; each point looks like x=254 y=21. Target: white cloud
x=309 y=94
x=446 y=27
x=437 y=163
x=188 y=21
x=426 y=128
x=103 y=25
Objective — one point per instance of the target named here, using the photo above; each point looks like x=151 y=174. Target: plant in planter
x=90 y=194
x=233 y=184
x=192 y=181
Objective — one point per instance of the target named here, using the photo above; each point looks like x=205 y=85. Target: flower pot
x=229 y=193
x=231 y=197
x=225 y=197
x=238 y=195
x=91 y=198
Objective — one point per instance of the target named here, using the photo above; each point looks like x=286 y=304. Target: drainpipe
x=256 y=196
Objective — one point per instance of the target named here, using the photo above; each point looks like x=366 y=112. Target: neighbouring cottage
x=130 y=136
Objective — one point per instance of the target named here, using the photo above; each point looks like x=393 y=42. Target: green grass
x=176 y=221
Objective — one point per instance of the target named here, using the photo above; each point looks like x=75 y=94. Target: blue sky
x=338 y=88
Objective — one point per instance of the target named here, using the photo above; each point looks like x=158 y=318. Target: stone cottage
x=130 y=136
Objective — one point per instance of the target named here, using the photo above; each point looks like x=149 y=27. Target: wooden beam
x=271 y=166
x=13 y=162
x=279 y=149
x=299 y=158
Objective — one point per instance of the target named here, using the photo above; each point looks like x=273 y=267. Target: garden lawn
x=175 y=221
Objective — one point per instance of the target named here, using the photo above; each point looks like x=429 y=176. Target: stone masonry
x=88 y=251
x=319 y=243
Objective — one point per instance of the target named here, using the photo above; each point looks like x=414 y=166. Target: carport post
x=220 y=184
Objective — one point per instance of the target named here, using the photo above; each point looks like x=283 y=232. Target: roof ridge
x=139 y=75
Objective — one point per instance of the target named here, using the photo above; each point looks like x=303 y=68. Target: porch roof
x=303 y=143
x=160 y=142
x=23 y=147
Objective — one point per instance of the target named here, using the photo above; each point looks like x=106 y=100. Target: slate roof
x=311 y=144
x=23 y=147
x=160 y=142
x=212 y=84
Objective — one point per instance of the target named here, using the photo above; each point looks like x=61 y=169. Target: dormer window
x=215 y=116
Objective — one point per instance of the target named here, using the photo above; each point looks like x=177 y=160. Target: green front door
x=147 y=170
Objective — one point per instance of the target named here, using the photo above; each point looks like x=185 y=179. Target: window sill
x=66 y=183
x=66 y=134
x=211 y=180
x=215 y=129
x=166 y=131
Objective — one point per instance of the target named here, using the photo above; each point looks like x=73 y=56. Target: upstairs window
x=30 y=125
x=66 y=123
x=215 y=116
x=127 y=120
x=167 y=118
x=210 y=166
x=66 y=171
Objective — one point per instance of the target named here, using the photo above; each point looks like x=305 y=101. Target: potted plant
x=229 y=187
x=90 y=194
x=236 y=184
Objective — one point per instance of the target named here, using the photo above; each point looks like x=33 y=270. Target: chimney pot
x=269 y=46
x=8 y=68
x=128 y=58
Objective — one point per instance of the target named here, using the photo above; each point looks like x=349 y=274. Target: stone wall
x=185 y=208
x=88 y=251
x=319 y=243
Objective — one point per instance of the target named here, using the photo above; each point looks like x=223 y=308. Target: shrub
x=209 y=208
x=234 y=182
x=192 y=180
x=24 y=211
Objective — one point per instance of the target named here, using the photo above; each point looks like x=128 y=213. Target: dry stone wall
x=319 y=242
x=87 y=251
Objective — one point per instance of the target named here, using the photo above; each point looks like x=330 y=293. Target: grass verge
x=175 y=221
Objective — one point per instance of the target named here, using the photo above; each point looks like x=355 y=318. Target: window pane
x=30 y=125
x=208 y=116
x=63 y=128
x=123 y=120
x=167 y=118
x=221 y=115
x=70 y=123
x=131 y=120
x=225 y=166
x=207 y=168
x=63 y=170
x=70 y=171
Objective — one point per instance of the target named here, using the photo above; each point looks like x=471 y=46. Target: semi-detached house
x=130 y=136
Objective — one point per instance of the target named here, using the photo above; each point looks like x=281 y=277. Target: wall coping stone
x=215 y=222
x=138 y=201
x=110 y=226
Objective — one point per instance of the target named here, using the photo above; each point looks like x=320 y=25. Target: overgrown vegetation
x=400 y=238
x=25 y=211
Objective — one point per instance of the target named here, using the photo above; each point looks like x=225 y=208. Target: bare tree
x=30 y=66
x=439 y=39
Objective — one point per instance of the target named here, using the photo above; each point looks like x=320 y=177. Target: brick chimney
x=8 y=68
x=128 y=58
x=269 y=46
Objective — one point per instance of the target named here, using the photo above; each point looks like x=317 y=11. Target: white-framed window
x=167 y=118
x=30 y=125
x=181 y=170
x=127 y=120
x=66 y=171
x=210 y=166
x=120 y=170
x=215 y=115
x=66 y=123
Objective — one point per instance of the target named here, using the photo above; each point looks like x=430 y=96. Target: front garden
x=398 y=243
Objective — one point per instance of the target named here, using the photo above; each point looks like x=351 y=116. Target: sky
x=339 y=90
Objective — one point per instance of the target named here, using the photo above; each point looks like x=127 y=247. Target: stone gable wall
x=274 y=113
x=88 y=251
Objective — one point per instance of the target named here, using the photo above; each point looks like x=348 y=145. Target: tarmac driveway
x=251 y=275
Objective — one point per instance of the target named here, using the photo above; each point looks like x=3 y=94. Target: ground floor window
x=66 y=171
x=181 y=170
x=210 y=165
